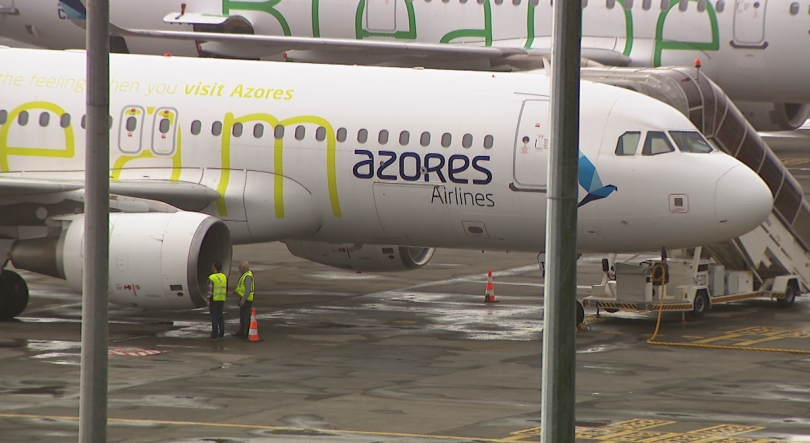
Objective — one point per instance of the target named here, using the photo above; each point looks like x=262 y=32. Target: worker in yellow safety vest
x=217 y=291
x=244 y=290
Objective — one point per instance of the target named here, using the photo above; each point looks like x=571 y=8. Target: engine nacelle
x=774 y=116
x=358 y=257
x=157 y=260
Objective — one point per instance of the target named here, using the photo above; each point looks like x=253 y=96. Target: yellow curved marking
x=177 y=160
x=8 y=151
x=278 y=158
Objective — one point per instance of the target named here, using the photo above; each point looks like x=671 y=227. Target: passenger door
x=749 y=23
x=531 y=147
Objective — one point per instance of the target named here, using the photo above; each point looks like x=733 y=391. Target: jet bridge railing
x=710 y=109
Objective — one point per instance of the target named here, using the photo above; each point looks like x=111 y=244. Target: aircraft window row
x=646 y=5
x=383 y=137
x=658 y=143
x=534 y=3
x=44 y=119
x=794 y=8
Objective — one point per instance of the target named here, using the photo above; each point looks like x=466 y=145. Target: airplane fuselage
x=378 y=155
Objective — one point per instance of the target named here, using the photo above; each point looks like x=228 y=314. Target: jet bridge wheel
x=701 y=305
x=13 y=295
x=790 y=297
x=580 y=313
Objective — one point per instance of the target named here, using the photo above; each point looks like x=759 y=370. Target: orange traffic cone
x=489 y=296
x=253 y=334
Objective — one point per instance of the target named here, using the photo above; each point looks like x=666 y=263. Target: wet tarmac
x=415 y=357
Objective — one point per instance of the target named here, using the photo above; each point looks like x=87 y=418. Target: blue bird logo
x=74 y=9
x=590 y=181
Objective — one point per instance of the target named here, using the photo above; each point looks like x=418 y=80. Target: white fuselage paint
x=312 y=183
x=752 y=48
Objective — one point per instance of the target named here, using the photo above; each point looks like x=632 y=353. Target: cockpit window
x=628 y=143
x=656 y=143
x=690 y=141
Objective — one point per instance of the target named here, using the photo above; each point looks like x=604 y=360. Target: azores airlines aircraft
x=754 y=49
x=337 y=162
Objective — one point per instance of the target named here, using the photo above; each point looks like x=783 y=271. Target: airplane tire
x=701 y=305
x=611 y=310
x=580 y=313
x=13 y=295
x=790 y=297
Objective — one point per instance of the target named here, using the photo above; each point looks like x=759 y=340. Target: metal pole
x=93 y=389
x=557 y=414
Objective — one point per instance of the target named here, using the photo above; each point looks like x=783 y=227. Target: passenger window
x=44 y=119
x=216 y=129
x=462 y=1
x=236 y=130
x=300 y=132
x=683 y=5
x=720 y=5
x=628 y=143
x=610 y=4
x=690 y=141
x=656 y=143
x=362 y=136
x=84 y=122
x=64 y=121
x=164 y=126
x=489 y=141
x=665 y=5
x=22 y=119
x=383 y=137
x=424 y=140
x=534 y=3
x=467 y=140
x=447 y=139
x=628 y=4
x=341 y=135
x=3 y=117
x=701 y=7
x=498 y=2
x=646 y=4
x=258 y=130
x=278 y=132
x=584 y=4
x=516 y=2
x=131 y=124
x=196 y=127
x=794 y=8
x=320 y=134
x=404 y=138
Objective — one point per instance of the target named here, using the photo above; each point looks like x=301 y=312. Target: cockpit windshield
x=691 y=141
x=656 y=143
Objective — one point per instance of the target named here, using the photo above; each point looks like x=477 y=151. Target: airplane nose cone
x=743 y=201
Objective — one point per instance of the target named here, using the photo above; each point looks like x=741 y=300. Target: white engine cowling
x=774 y=116
x=364 y=258
x=157 y=260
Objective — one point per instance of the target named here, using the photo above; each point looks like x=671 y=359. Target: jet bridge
x=780 y=247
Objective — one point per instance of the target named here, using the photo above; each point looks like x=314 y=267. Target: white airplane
x=749 y=47
x=206 y=152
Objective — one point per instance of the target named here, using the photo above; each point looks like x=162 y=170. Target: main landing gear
x=13 y=295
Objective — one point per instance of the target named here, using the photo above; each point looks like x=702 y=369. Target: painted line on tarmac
x=325 y=432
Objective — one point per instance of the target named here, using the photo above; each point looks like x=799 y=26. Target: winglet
x=74 y=9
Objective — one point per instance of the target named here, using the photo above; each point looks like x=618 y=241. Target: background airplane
x=747 y=46
x=207 y=152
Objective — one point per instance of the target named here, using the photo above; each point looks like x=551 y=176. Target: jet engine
x=359 y=257
x=157 y=260
x=774 y=116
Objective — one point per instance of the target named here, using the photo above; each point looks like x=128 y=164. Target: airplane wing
x=346 y=51
x=46 y=197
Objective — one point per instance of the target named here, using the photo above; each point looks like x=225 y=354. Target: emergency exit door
x=381 y=15
x=532 y=147
x=749 y=23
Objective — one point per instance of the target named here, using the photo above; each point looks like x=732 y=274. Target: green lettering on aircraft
x=662 y=45
x=267 y=6
x=485 y=33
x=7 y=151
